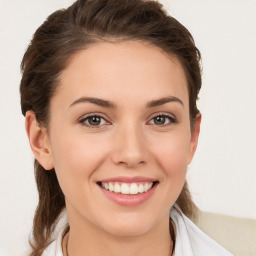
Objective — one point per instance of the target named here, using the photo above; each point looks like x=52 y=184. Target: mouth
x=128 y=191
x=128 y=188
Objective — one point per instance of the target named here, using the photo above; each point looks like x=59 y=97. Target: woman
x=109 y=92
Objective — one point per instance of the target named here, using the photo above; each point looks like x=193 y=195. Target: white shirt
x=190 y=240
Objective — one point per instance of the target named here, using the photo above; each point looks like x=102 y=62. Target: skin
x=127 y=142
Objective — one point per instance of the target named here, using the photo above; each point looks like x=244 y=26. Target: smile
x=128 y=191
x=127 y=188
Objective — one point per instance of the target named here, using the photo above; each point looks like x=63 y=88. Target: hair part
x=67 y=31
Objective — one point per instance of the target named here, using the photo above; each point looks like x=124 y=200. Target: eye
x=162 y=119
x=93 y=121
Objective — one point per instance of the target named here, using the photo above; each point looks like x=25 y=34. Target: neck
x=90 y=241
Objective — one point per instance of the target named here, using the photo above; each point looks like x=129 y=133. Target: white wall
x=223 y=175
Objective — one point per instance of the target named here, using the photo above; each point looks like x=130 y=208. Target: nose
x=130 y=147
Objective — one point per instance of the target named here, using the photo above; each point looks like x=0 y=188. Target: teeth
x=127 y=188
x=117 y=188
x=110 y=187
x=141 y=188
x=134 y=190
x=106 y=186
x=146 y=186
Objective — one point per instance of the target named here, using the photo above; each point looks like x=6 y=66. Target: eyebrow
x=108 y=104
x=162 y=101
x=96 y=101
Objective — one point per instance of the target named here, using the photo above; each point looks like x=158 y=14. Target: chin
x=128 y=231
x=129 y=226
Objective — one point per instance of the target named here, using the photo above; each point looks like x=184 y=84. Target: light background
x=222 y=176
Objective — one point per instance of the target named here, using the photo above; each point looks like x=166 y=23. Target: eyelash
x=83 y=120
x=172 y=120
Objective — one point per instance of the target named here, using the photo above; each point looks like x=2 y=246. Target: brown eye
x=93 y=121
x=159 y=120
x=162 y=120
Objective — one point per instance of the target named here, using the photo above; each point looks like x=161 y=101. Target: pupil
x=159 y=120
x=94 y=120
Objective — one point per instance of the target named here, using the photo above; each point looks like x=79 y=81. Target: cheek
x=77 y=156
x=172 y=154
x=75 y=160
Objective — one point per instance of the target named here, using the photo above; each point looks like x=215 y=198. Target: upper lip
x=127 y=179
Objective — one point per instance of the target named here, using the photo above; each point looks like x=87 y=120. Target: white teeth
x=141 y=188
x=134 y=190
x=110 y=187
x=117 y=188
x=127 y=188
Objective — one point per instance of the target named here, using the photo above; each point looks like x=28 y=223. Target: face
x=119 y=136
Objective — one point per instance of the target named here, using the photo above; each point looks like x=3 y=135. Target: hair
x=64 y=33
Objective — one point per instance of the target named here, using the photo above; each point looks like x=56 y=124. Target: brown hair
x=69 y=30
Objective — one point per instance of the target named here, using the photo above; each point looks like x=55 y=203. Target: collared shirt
x=190 y=240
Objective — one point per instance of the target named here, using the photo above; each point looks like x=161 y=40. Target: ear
x=39 y=141
x=194 y=137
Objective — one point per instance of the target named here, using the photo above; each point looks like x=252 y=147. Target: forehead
x=123 y=70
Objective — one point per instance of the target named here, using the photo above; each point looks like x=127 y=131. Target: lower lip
x=129 y=200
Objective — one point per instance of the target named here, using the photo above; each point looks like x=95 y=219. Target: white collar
x=190 y=240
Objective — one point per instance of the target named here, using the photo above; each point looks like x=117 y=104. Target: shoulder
x=192 y=241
